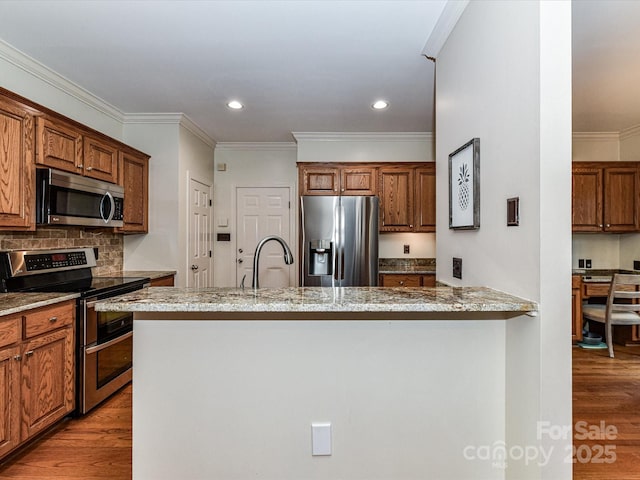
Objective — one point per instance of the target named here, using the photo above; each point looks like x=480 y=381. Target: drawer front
x=9 y=330
x=47 y=319
x=401 y=280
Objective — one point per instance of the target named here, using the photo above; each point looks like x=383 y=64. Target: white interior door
x=199 y=260
x=263 y=211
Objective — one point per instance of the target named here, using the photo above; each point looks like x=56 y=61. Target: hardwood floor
x=607 y=389
x=98 y=446
x=94 y=447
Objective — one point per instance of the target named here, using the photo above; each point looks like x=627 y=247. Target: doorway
x=199 y=239
x=263 y=211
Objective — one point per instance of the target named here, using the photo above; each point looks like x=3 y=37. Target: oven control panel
x=31 y=262
x=47 y=261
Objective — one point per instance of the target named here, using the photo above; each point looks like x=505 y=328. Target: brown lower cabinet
x=163 y=281
x=407 y=280
x=37 y=371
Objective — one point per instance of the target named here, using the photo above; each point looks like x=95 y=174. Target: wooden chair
x=623 y=287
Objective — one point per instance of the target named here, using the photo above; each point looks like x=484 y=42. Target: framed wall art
x=464 y=186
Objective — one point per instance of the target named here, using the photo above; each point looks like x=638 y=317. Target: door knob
x=240 y=250
x=194 y=267
x=240 y=260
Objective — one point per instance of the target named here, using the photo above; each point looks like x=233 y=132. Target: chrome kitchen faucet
x=288 y=256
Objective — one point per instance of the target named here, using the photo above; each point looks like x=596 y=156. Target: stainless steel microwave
x=67 y=199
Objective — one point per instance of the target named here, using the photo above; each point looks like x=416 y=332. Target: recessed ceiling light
x=235 y=105
x=380 y=105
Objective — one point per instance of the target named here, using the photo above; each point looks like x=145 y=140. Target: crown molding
x=630 y=132
x=444 y=26
x=256 y=146
x=40 y=71
x=596 y=136
x=363 y=136
x=169 y=119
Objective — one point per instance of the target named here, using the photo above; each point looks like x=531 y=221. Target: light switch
x=320 y=439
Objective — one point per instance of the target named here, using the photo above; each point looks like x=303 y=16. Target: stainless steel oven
x=104 y=340
x=105 y=349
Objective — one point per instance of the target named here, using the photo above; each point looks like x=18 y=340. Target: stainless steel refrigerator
x=339 y=241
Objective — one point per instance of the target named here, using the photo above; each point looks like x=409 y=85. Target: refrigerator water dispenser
x=320 y=257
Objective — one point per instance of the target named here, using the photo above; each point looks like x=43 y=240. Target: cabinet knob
x=89 y=169
x=401 y=282
x=29 y=353
x=608 y=225
x=81 y=166
x=600 y=225
x=53 y=319
x=17 y=357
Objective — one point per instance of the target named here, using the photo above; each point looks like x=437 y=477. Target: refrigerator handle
x=337 y=217
x=340 y=246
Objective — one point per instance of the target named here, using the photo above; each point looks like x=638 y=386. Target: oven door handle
x=102 y=346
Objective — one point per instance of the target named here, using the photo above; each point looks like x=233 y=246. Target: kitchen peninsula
x=227 y=382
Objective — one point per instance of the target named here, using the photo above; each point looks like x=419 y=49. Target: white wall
x=504 y=75
x=595 y=147
x=399 y=410
x=365 y=147
x=249 y=165
x=196 y=161
x=158 y=249
x=175 y=149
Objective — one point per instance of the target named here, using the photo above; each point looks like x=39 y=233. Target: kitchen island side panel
x=236 y=399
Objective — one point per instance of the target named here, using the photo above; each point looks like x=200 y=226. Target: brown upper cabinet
x=17 y=169
x=323 y=179
x=100 y=159
x=33 y=136
x=65 y=147
x=407 y=191
x=397 y=199
x=408 y=198
x=425 y=198
x=605 y=197
x=134 y=175
x=59 y=145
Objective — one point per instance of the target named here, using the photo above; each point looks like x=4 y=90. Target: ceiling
x=304 y=66
x=606 y=65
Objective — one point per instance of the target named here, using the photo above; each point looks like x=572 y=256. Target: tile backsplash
x=109 y=244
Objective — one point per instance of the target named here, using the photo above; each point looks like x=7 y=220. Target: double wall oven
x=104 y=340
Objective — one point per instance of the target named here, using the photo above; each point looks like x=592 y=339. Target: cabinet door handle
x=81 y=166
x=17 y=358
x=29 y=353
x=89 y=169
x=53 y=319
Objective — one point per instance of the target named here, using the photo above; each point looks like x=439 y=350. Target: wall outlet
x=581 y=263
x=587 y=263
x=406 y=249
x=457 y=268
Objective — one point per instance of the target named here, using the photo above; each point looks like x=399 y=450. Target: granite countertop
x=593 y=275
x=18 y=302
x=422 y=266
x=318 y=299
x=152 y=274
